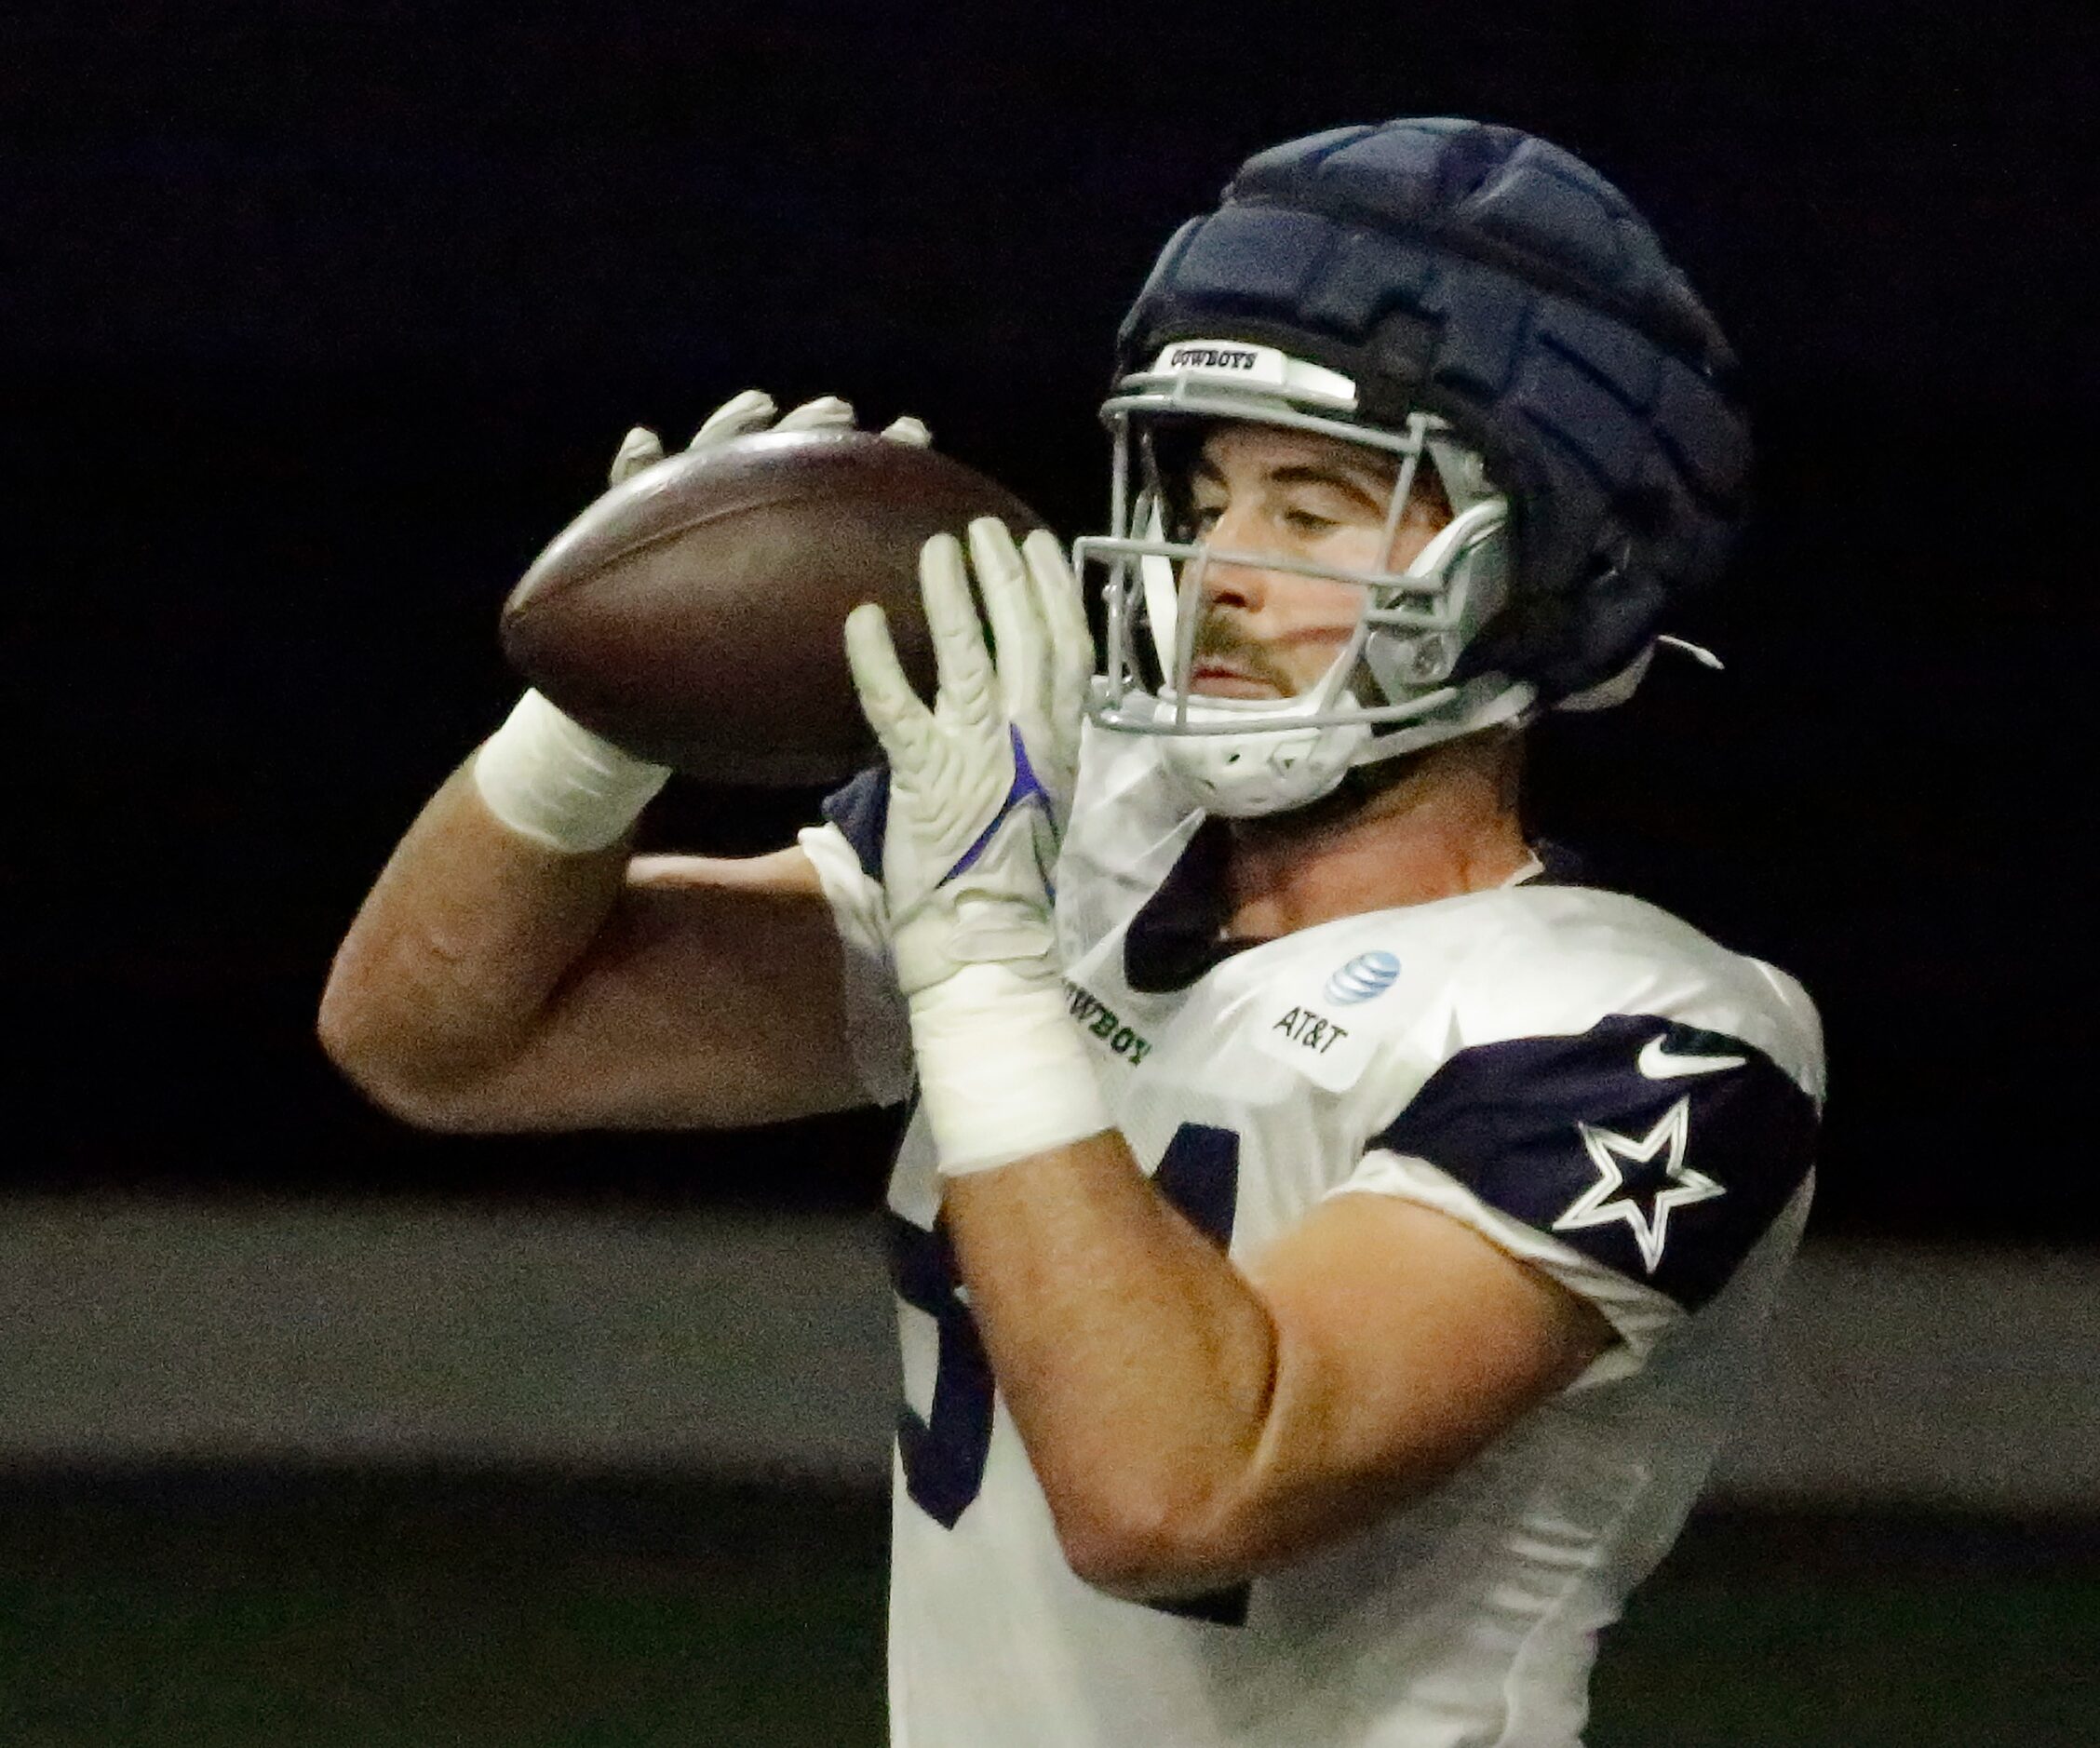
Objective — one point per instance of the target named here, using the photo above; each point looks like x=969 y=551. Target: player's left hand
x=980 y=781
x=971 y=838
x=1045 y=653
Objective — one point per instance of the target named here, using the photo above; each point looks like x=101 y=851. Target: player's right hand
x=754 y=411
x=545 y=775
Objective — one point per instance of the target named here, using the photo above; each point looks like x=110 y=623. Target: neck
x=1446 y=825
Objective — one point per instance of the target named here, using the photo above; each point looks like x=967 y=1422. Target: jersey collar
x=1175 y=938
x=1178 y=935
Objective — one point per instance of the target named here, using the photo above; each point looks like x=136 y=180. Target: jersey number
x=943 y=1454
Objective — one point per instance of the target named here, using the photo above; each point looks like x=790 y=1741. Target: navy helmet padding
x=1477 y=272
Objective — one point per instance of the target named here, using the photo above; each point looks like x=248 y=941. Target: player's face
x=1264 y=488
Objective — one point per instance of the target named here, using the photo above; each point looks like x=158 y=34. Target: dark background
x=320 y=320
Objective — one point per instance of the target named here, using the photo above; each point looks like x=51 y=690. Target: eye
x=1306 y=522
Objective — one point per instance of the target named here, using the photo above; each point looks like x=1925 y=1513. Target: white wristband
x=1004 y=1073
x=550 y=779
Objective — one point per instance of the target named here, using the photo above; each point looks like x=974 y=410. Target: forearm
x=1138 y=1365
x=1138 y=1361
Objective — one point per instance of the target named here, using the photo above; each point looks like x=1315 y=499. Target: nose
x=1227 y=584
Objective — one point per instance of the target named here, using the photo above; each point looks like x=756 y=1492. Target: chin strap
x=1699 y=653
x=1608 y=695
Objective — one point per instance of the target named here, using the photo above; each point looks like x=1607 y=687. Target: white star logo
x=1603 y=1201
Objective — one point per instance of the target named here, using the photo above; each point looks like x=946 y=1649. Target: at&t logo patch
x=1364 y=977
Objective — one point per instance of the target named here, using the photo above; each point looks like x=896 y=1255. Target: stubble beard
x=1218 y=636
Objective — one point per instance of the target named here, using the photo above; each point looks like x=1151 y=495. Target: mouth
x=1215 y=678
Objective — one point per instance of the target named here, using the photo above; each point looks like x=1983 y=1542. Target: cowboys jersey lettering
x=1591 y=1083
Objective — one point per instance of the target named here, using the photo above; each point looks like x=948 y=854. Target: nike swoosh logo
x=1658 y=1066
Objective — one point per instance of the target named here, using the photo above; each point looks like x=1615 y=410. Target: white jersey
x=1591 y=1083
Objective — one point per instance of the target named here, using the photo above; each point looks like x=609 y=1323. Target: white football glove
x=1045 y=653
x=545 y=775
x=754 y=411
x=970 y=839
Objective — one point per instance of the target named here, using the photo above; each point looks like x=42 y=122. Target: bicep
x=1406 y=1343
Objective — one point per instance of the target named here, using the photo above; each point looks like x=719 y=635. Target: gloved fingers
x=1064 y=613
x=968 y=688
x=739 y=416
x=902 y=723
x=1017 y=631
x=640 y=448
x=827 y=412
x=754 y=410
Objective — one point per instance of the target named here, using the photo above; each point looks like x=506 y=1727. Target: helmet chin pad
x=1267 y=769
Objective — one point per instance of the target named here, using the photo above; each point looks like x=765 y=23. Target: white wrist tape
x=1002 y=1071
x=549 y=778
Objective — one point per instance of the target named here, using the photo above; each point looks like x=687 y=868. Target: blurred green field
x=319 y=1610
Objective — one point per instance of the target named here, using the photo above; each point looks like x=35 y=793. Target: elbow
x=346 y=1041
x=1165 y=1521
x=1152 y=1550
x=389 y=1078
x=1130 y=1571
x=1173 y=1547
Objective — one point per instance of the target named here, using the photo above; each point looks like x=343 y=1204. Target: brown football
x=693 y=614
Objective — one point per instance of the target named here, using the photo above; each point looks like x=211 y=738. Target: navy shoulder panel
x=1655 y=1148
x=861 y=810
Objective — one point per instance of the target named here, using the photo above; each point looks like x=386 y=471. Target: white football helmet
x=1390 y=690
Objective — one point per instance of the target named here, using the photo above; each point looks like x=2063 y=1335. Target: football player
x=1330 y=1238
